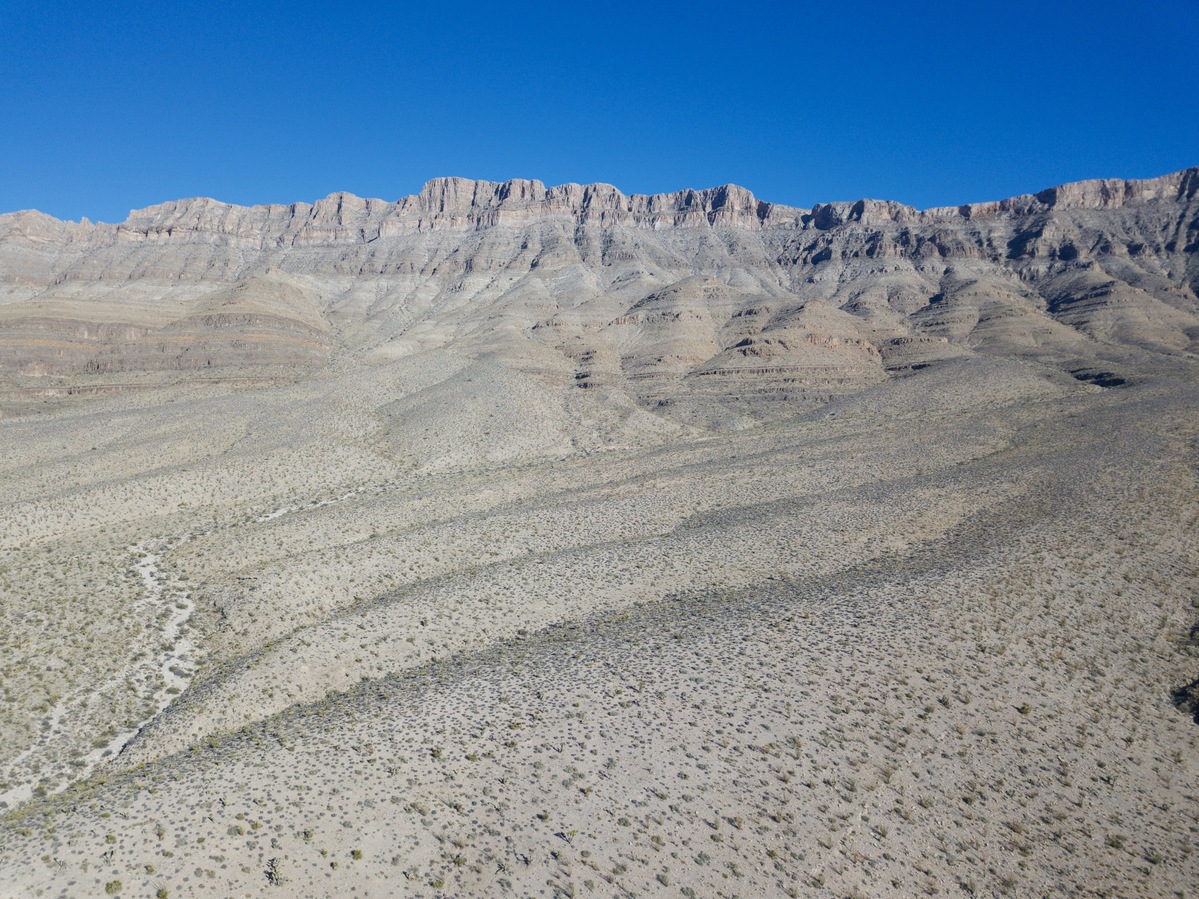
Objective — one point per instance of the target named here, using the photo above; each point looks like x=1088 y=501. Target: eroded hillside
x=711 y=306
x=526 y=541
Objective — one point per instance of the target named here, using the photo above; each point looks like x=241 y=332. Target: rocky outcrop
x=444 y=204
x=465 y=204
x=661 y=294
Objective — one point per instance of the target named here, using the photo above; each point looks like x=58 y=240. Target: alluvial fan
x=550 y=541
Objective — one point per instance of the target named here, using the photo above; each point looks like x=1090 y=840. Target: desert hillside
x=711 y=307
x=518 y=540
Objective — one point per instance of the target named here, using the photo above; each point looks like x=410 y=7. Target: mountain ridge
x=693 y=302
x=518 y=200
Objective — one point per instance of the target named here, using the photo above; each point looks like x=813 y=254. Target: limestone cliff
x=691 y=297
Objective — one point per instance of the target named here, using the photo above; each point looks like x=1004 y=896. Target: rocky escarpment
x=682 y=300
x=453 y=204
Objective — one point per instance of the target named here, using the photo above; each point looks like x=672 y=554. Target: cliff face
x=697 y=293
x=460 y=204
x=444 y=204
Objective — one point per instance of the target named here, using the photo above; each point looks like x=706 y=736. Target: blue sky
x=108 y=107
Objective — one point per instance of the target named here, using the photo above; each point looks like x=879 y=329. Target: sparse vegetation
x=759 y=660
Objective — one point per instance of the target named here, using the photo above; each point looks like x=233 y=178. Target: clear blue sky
x=111 y=106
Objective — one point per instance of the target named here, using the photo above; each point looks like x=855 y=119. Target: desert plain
x=513 y=540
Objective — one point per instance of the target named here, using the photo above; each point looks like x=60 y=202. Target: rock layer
x=708 y=299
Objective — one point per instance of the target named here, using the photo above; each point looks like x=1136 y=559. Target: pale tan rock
x=587 y=286
x=544 y=540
